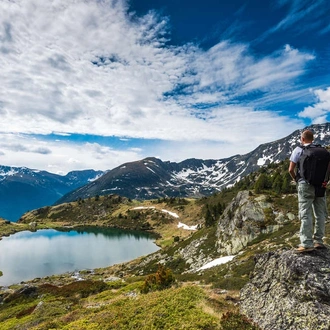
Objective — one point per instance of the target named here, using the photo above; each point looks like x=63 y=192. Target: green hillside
x=162 y=290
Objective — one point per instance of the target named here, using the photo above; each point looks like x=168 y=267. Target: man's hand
x=324 y=184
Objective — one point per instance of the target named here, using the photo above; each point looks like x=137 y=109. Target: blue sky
x=97 y=83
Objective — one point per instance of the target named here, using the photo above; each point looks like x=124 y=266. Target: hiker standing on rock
x=309 y=167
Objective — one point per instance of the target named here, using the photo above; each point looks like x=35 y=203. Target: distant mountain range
x=152 y=178
x=22 y=189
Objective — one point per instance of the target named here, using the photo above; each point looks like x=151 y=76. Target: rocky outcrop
x=194 y=255
x=289 y=291
x=245 y=218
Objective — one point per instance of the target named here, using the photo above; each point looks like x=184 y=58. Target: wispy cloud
x=87 y=67
x=319 y=111
x=230 y=71
x=61 y=156
x=91 y=67
x=308 y=10
x=299 y=17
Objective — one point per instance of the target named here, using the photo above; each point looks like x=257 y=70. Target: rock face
x=289 y=291
x=194 y=256
x=244 y=219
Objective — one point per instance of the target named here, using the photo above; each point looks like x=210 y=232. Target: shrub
x=161 y=280
x=26 y=312
x=178 y=264
x=234 y=321
x=176 y=238
x=269 y=216
x=83 y=288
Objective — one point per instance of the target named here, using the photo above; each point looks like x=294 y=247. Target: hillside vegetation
x=159 y=216
x=163 y=290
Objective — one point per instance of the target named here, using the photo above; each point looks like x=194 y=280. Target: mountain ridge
x=23 y=189
x=153 y=178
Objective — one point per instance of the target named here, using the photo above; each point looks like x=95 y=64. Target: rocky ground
x=289 y=291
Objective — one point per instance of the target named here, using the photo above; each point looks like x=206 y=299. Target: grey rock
x=242 y=221
x=113 y=279
x=194 y=256
x=289 y=291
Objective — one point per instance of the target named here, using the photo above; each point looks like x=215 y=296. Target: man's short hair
x=308 y=135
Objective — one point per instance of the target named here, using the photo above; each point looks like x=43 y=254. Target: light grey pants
x=309 y=205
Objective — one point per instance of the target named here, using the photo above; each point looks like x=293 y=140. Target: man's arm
x=292 y=171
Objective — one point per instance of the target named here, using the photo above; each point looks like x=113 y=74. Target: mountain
x=152 y=178
x=23 y=189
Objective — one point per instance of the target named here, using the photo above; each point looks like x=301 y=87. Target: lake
x=27 y=255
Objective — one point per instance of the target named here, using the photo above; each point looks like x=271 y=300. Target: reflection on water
x=27 y=255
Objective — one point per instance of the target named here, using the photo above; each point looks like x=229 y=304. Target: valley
x=254 y=219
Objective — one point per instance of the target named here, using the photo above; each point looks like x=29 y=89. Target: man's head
x=307 y=136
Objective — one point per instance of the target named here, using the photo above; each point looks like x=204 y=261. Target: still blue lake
x=27 y=255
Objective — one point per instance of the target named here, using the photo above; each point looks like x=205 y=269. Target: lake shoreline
x=89 y=247
x=8 y=228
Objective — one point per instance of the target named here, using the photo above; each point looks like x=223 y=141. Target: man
x=308 y=203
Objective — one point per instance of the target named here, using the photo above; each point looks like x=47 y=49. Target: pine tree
x=278 y=183
x=209 y=220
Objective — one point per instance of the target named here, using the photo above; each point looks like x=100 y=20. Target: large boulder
x=289 y=291
x=243 y=220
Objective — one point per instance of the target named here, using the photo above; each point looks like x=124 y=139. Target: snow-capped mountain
x=23 y=189
x=153 y=178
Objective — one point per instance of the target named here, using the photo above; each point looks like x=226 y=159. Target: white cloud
x=232 y=134
x=81 y=67
x=319 y=111
x=280 y=69
x=89 y=67
x=62 y=156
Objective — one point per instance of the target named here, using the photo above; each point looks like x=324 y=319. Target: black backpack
x=313 y=164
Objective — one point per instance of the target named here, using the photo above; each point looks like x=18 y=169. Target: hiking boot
x=301 y=249
x=319 y=246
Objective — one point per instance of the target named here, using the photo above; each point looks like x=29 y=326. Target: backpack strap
x=298 y=176
x=312 y=145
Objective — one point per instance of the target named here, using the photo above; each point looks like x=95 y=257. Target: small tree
x=260 y=184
